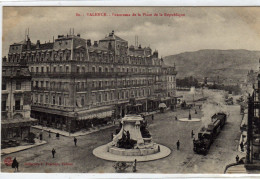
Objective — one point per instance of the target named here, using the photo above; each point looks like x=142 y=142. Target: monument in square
x=132 y=141
x=133 y=138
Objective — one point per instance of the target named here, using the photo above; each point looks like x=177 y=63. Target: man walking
x=152 y=117
x=58 y=136
x=237 y=158
x=40 y=136
x=49 y=133
x=242 y=146
x=15 y=165
x=192 y=134
x=112 y=136
x=134 y=166
x=53 y=152
x=178 y=145
x=75 y=141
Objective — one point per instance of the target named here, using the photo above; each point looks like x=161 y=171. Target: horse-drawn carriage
x=121 y=167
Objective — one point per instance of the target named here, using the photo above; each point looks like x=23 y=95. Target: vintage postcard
x=158 y=90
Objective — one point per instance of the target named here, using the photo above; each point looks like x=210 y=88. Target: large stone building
x=16 y=101
x=76 y=84
x=253 y=129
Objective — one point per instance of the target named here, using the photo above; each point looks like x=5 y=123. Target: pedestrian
x=178 y=145
x=49 y=133
x=237 y=158
x=112 y=136
x=159 y=149
x=242 y=146
x=134 y=166
x=75 y=141
x=41 y=136
x=53 y=152
x=15 y=165
x=192 y=134
x=196 y=111
x=152 y=117
x=58 y=136
x=176 y=118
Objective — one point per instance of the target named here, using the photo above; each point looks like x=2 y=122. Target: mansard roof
x=112 y=37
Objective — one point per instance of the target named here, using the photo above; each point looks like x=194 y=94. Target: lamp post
x=189 y=114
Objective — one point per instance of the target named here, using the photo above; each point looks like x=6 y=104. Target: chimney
x=78 y=35
x=155 y=54
x=60 y=36
x=88 y=42
x=28 y=44
x=4 y=59
x=38 y=44
x=95 y=44
x=109 y=46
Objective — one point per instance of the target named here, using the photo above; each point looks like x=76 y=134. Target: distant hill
x=227 y=64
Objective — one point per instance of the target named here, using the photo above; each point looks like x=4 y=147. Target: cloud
x=200 y=28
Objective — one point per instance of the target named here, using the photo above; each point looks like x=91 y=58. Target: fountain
x=132 y=141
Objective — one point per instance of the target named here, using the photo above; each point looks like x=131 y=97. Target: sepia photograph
x=156 y=90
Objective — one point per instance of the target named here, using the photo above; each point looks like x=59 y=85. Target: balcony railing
x=18 y=108
x=49 y=89
x=91 y=74
x=110 y=87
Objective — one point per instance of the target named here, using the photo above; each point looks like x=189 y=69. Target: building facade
x=253 y=129
x=16 y=101
x=77 y=84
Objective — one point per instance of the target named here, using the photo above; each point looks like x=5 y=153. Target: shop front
x=14 y=131
x=93 y=118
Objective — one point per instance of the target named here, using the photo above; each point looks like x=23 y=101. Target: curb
x=107 y=127
x=3 y=154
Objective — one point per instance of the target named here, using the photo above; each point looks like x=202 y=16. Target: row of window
x=55 y=100
x=93 y=84
x=96 y=97
x=81 y=56
x=17 y=105
x=18 y=85
x=83 y=69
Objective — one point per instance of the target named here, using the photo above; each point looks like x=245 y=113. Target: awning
x=165 y=98
x=162 y=105
x=18 y=123
x=101 y=112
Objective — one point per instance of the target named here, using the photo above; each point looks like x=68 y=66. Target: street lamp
x=189 y=114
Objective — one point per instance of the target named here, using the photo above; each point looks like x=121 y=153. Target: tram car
x=206 y=136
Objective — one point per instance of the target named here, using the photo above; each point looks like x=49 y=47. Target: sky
x=200 y=28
